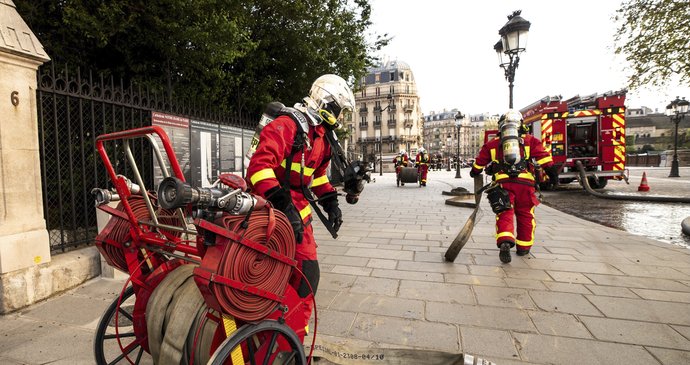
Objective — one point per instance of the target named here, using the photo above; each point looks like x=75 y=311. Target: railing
x=392 y=122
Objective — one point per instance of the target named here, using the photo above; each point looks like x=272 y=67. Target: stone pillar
x=24 y=243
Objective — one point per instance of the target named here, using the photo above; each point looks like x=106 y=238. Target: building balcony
x=377 y=110
x=408 y=123
x=364 y=109
x=377 y=124
x=363 y=124
x=408 y=108
x=392 y=122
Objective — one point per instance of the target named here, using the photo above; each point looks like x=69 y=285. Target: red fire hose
x=253 y=268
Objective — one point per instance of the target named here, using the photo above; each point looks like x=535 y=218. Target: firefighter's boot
x=504 y=252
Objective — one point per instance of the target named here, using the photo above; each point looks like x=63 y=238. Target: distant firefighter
x=422 y=163
x=399 y=162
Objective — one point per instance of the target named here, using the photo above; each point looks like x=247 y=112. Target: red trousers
x=307 y=263
x=523 y=201
x=422 y=170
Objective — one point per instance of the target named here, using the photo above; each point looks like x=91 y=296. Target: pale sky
x=449 y=46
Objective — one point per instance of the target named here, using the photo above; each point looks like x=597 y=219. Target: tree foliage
x=653 y=37
x=233 y=54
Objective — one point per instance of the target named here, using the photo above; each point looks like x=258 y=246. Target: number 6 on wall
x=14 y=97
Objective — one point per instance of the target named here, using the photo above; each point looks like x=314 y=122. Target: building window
x=377 y=78
x=392 y=90
x=378 y=91
x=392 y=75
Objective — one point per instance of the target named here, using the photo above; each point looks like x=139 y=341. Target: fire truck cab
x=589 y=129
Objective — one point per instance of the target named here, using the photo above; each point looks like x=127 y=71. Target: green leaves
x=653 y=37
x=238 y=55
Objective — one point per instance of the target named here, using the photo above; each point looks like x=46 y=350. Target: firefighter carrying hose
x=399 y=162
x=293 y=152
x=421 y=161
x=509 y=159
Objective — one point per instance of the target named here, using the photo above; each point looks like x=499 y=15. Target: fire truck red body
x=590 y=129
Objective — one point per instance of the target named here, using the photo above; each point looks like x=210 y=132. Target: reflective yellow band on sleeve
x=545 y=160
x=478 y=167
x=527 y=152
x=319 y=181
x=505 y=234
x=308 y=171
x=262 y=175
x=305 y=212
x=525 y=243
x=493 y=154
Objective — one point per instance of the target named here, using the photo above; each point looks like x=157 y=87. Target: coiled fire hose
x=116 y=232
x=253 y=268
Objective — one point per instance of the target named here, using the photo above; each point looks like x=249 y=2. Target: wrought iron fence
x=73 y=109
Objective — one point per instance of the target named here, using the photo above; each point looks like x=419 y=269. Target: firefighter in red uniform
x=400 y=161
x=288 y=187
x=508 y=159
x=421 y=161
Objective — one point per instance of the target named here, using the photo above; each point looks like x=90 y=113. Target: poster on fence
x=205 y=150
x=177 y=129
x=232 y=149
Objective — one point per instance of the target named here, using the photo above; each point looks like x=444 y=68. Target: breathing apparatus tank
x=270 y=113
x=509 y=126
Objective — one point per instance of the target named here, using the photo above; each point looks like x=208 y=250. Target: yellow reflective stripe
x=544 y=160
x=478 y=167
x=522 y=175
x=505 y=234
x=230 y=327
x=527 y=152
x=493 y=154
x=308 y=171
x=534 y=226
x=262 y=175
x=524 y=243
x=319 y=181
x=305 y=212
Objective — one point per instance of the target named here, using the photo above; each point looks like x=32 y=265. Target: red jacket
x=530 y=147
x=418 y=160
x=267 y=166
x=400 y=161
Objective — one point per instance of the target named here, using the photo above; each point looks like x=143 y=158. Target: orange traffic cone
x=643 y=184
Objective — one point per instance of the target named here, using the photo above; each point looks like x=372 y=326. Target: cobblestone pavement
x=586 y=294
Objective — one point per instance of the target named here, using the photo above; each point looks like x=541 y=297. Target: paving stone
x=343 y=260
x=382 y=264
x=377 y=253
x=524 y=283
x=503 y=297
x=567 y=351
x=472 y=315
x=445 y=267
x=462 y=259
x=685 y=331
x=377 y=241
x=106 y=289
x=521 y=273
x=663 y=295
x=332 y=281
x=552 y=256
x=88 y=309
x=643 y=310
x=574 y=266
x=436 y=292
x=474 y=280
x=351 y=270
x=661 y=272
x=332 y=250
x=611 y=291
x=670 y=357
x=488 y=342
x=563 y=302
x=564 y=251
x=408 y=332
x=638 y=282
x=389 y=235
x=491 y=258
x=333 y=322
x=362 y=245
x=558 y=324
x=567 y=287
x=381 y=305
x=636 y=333
x=407 y=275
x=487 y=271
x=376 y=286
x=43 y=343
x=9 y=322
x=569 y=277
x=325 y=297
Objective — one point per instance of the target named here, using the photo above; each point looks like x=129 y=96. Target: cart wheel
x=105 y=345
x=254 y=340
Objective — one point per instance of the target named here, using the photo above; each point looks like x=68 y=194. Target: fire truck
x=589 y=129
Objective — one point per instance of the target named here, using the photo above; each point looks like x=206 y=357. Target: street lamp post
x=513 y=42
x=458 y=123
x=676 y=111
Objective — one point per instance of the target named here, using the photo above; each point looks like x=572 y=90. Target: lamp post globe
x=458 y=124
x=513 y=42
x=676 y=110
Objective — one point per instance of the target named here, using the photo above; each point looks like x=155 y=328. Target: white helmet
x=402 y=152
x=329 y=96
x=421 y=150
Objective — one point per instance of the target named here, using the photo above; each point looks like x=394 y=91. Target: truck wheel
x=599 y=183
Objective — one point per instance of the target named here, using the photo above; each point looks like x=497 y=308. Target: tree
x=653 y=36
x=237 y=55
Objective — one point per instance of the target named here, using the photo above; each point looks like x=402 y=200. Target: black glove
x=552 y=173
x=329 y=202
x=281 y=200
x=474 y=172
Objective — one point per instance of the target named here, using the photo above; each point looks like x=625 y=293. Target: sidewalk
x=587 y=294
